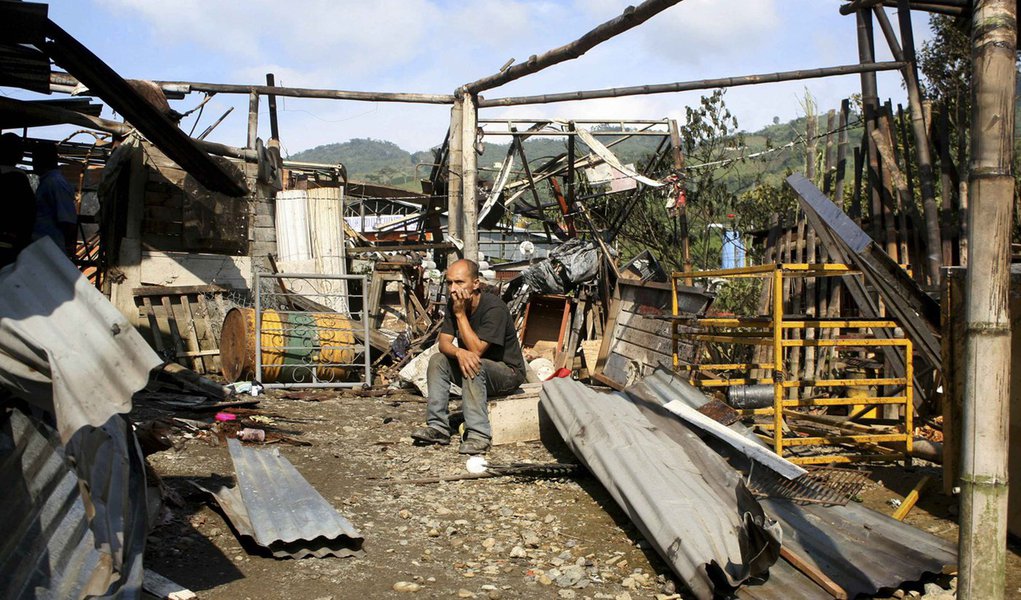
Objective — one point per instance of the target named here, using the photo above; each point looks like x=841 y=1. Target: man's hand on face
x=470 y=363
x=460 y=298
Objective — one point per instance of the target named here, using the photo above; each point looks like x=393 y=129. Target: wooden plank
x=163 y=588
x=211 y=342
x=157 y=290
x=813 y=573
x=754 y=451
x=192 y=335
x=154 y=326
x=175 y=333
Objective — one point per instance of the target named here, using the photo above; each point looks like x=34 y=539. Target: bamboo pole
x=469 y=173
x=906 y=53
x=631 y=17
x=455 y=163
x=701 y=84
x=983 y=534
x=677 y=152
x=870 y=108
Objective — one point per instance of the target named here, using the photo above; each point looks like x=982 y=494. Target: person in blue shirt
x=55 y=216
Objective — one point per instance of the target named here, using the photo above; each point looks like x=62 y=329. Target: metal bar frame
x=770 y=332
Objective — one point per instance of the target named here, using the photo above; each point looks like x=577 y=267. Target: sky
x=433 y=46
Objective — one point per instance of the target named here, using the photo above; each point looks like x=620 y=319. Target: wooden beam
x=291 y=92
x=454 y=177
x=63 y=115
x=469 y=177
x=253 y=119
x=701 y=84
x=70 y=54
x=631 y=17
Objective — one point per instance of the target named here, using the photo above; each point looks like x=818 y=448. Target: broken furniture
x=181 y=321
x=784 y=335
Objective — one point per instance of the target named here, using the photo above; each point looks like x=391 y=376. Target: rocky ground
x=504 y=537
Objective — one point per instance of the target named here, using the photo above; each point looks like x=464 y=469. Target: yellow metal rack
x=772 y=332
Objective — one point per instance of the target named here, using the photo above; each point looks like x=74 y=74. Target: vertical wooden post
x=469 y=174
x=983 y=534
x=274 y=131
x=455 y=164
x=948 y=177
x=253 y=119
x=842 y=143
x=811 y=125
x=925 y=173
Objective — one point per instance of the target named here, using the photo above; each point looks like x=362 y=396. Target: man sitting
x=487 y=361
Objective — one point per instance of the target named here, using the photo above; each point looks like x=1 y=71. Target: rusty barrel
x=294 y=346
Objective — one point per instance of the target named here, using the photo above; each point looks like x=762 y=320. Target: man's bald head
x=464 y=263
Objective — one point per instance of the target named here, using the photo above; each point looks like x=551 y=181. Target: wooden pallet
x=180 y=327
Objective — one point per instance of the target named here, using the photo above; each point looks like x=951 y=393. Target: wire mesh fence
x=306 y=332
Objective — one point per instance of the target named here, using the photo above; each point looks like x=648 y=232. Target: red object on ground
x=560 y=373
x=222 y=416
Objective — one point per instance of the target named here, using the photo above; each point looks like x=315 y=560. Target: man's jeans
x=494 y=378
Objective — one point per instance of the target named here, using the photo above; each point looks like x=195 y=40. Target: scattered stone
x=518 y=552
x=406 y=587
x=622 y=596
x=404 y=514
x=463 y=593
x=567 y=594
x=530 y=538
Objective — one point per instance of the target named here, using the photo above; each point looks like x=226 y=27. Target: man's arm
x=473 y=343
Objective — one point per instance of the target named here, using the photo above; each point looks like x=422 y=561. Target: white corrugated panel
x=325 y=217
x=293 y=241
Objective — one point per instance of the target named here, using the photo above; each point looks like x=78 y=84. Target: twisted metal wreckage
x=338 y=306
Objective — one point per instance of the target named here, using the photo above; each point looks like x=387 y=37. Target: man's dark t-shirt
x=491 y=321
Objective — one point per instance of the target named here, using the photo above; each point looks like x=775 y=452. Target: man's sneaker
x=431 y=435
x=474 y=445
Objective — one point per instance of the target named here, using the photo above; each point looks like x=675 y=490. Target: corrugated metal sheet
x=275 y=507
x=40 y=504
x=65 y=349
x=292 y=226
x=862 y=550
x=683 y=497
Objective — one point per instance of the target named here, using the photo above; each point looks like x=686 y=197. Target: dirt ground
x=499 y=537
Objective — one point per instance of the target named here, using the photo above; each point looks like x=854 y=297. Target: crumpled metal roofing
x=278 y=509
x=682 y=496
x=48 y=550
x=66 y=350
x=861 y=550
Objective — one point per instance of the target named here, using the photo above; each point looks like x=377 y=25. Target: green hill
x=382 y=161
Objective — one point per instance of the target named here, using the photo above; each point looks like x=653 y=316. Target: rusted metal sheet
x=278 y=509
x=692 y=507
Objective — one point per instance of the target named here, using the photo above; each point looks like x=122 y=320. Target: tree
x=709 y=138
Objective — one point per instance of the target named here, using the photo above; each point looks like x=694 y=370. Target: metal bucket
x=294 y=346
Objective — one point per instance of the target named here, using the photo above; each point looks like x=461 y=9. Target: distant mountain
x=370 y=160
x=382 y=161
